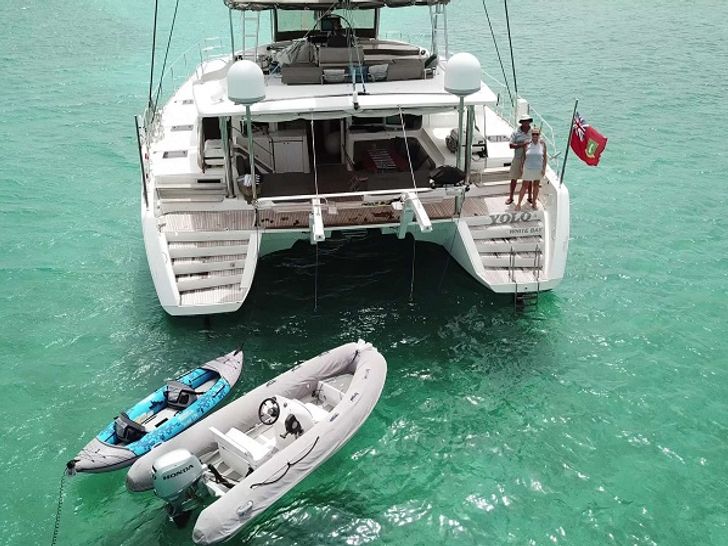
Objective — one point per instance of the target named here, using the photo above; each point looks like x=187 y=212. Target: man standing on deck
x=519 y=141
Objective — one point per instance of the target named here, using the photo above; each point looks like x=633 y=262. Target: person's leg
x=536 y=187
x=526 y=185
x=509 y=201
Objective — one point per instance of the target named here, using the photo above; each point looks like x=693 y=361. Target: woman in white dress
x=534 y=167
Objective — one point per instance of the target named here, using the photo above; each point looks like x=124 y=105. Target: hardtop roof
x=260 y=5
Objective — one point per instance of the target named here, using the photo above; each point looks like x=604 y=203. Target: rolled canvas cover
x=227 y=515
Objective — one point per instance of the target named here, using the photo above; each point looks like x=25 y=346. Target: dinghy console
x=290 y=418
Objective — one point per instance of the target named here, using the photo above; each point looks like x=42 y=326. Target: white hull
x=202 y=238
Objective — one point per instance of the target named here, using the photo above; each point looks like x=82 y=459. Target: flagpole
x=568 y=143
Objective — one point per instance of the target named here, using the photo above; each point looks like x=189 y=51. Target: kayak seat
x=239 y=451
x=179 y=396
x=127 y=430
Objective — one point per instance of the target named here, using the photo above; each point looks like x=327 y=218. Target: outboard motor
x=177 y=480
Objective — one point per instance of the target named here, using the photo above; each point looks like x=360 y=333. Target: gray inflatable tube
x=289 y=465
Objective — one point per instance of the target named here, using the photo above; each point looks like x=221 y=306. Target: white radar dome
x=245 y=81
x=462 y=76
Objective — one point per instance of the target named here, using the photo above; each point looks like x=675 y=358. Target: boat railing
x=505 y=107
x=192 y=61
x=414 y=38
x=267 y=202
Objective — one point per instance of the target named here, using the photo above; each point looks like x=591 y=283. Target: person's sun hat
x=525 y=117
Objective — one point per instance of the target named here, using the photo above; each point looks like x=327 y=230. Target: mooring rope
x=406 y=146
x=315 y=281
x=412 y=277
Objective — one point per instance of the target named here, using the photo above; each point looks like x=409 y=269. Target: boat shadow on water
x=443 y=336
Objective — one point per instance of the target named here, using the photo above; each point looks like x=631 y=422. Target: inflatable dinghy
x=244 y=457
x=160 y=416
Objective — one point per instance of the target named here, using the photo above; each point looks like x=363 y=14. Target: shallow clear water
x=598 y=418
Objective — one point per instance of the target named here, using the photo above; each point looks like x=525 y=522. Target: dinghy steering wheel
x=269 y=411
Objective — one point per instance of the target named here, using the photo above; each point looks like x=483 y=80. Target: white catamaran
x=333 y=127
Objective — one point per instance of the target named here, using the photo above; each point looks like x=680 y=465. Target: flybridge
x=260 y=5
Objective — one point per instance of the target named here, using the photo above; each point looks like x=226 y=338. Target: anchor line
x=412 y=277
x=315 y=282
x=406 y=146
x=59 y=509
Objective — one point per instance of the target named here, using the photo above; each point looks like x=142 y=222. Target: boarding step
x=494 y=176
x=506 y=218
x=183 y=250
x=196 y=198
x=168 y=206
x=195 y=267
x=185 y=284
x=506 y=261
x=217 y=193
x=216 y=295
x=206 y=236
x=497 y=246
x=508 y=231
x=212 y=184
x=523 y=301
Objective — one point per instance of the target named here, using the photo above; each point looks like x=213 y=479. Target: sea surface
x=600 y=417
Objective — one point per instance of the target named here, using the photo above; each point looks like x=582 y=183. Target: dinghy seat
x=127 y=430
x=317 y=412
x=239 y=451
x=179 y=395
x=328 y=394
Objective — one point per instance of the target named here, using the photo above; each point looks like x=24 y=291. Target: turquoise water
x=599 y=418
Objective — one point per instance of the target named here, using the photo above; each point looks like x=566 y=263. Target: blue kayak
x=160 y=416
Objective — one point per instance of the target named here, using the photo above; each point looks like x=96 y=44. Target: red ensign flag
x=587 y=142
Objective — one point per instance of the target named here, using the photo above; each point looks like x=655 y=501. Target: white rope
x=406 y=145
x=412 y=278
x=315 y=281
x=315 y=168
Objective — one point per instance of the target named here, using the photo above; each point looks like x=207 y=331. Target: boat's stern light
x=246 y=86
x=462 y=78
